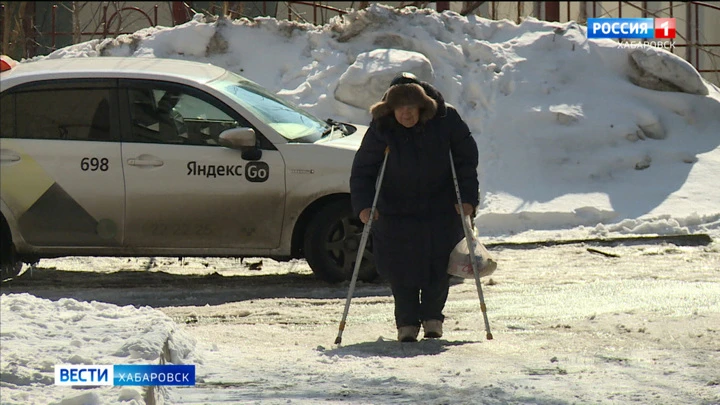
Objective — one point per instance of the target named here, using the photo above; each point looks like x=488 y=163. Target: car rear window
x=62 y=114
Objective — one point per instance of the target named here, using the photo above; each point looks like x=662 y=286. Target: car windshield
x=284 y=117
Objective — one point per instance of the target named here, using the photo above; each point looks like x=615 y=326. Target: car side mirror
x=243 y=139
x=238 y=138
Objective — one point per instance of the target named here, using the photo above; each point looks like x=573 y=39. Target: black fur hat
x=404 y=78
x=405 y=94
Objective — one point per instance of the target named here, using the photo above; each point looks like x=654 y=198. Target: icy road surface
x=570 y=326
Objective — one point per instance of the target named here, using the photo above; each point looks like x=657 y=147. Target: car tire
x=10 y=266
x=332 y=240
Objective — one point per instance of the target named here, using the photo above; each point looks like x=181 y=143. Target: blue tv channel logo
x=125 y=374
x=74 y=374
x=620 y=28
x=146 y=374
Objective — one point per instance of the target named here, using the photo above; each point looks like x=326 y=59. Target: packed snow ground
x=569 y=148
x=569 y=327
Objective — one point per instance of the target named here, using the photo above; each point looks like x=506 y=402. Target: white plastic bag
x=459 y=264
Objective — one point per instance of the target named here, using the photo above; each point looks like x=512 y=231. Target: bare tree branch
x=13 y=33
x=77 y=32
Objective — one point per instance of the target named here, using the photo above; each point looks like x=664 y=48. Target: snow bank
x=367 y=79
x=566 y=139
x=37 y=334
x=653 y=68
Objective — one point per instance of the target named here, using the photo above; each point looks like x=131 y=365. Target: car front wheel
x=332 y=241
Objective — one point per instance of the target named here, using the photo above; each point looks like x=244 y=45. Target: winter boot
x=408 y=333
x=433 y=328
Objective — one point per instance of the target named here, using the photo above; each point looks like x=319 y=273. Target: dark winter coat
x=417 y=224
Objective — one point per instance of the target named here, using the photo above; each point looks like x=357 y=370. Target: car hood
x=351 y=142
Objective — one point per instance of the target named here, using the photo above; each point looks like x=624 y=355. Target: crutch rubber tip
x=338 y=340
x=489 y=336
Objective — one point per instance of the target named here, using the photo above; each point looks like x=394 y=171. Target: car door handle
x=7 y=155
x=143 y=162
x=9 y=158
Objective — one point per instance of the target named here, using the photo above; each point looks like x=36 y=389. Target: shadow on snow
x=161 y=289
x=392 y=348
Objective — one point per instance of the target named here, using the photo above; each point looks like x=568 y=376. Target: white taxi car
x=157 y=157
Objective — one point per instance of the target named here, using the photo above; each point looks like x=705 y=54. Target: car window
x=65 y=114
x=170 y=115
x=7 y=116
x=290 y=121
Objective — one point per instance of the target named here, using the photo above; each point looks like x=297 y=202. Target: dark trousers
x=414 y=304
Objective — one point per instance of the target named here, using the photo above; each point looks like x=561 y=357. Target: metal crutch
x=361 y=249
x=471 y=250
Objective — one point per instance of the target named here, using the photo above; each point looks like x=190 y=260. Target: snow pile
x=366 y=80
x=37 y=334
x=571 y=137
x=659 y=70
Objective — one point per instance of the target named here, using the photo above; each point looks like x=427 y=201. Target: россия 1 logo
x=631 y=28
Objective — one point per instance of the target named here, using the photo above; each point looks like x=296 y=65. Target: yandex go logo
x=257 y=172
x=631 y=28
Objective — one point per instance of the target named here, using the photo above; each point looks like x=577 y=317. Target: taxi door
x=184 y=190
x=61 y=172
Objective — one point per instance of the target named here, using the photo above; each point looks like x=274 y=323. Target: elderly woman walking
x=416 y=222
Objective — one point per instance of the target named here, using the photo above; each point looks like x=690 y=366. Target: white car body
x=134 y=196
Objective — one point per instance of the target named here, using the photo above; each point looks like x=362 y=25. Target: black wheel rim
x=342 y=243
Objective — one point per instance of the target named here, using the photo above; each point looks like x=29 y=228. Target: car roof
x=112 y=67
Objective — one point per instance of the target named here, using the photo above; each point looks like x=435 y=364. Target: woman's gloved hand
x=365 y=215
x=468 y=209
